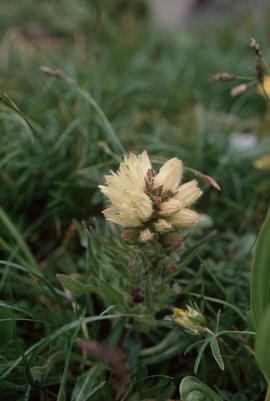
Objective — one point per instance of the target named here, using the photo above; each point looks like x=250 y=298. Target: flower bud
x=146 y=235
x=238 y=90
x=162 y=226
x=172 y=241
x=129 y=235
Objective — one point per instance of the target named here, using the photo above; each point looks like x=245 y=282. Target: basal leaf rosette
x=149 y=204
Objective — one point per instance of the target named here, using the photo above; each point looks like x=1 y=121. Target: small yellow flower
x=140 y=197
x=263 y=162
x=190 y=319
x=265 y=85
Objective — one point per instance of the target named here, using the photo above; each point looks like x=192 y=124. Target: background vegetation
x=155 y=89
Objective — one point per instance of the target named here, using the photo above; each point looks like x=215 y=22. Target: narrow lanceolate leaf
x=199 y=356
x=260 y=279
x=216 y=352
x=262 y=347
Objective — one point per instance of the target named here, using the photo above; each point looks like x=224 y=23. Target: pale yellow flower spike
x=142 y=199
x=266 y=85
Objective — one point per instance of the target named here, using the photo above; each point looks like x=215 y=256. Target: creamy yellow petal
x=188 y=193
x=169 y=175
x=170 y=207
x=123 y=217
x=184 y=219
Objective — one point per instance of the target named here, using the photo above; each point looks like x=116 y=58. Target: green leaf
x=262 y=346
x=39 y=373
x=92 y=259
x=199 y=356
x=109 y=294
x=12 y=105
x=260 y=278
x=61 y=396
x=7 y=327
x=192 y=389
x=75 y=286
x=216 y=352
x=27 y=311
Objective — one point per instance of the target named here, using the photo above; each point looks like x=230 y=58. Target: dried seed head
x=255 y=46
x=259 y=70
x=223 y=76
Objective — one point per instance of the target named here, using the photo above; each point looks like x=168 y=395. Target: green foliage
x=262 y=344
x=260 y=280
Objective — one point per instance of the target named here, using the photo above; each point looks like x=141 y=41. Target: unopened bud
x=131 y=266
x=129 y=236
x=172 y=241
x=238 y=90
x=172 y=267
x=162 y=226
x=137 y=295
x=146 y=235
x=165 y=287
x=157 y=199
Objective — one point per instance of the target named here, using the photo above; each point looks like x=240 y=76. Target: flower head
x=190 y=319
x=141 y=198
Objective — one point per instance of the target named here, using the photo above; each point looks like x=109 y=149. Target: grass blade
x=33 y=266
x=260 y=278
